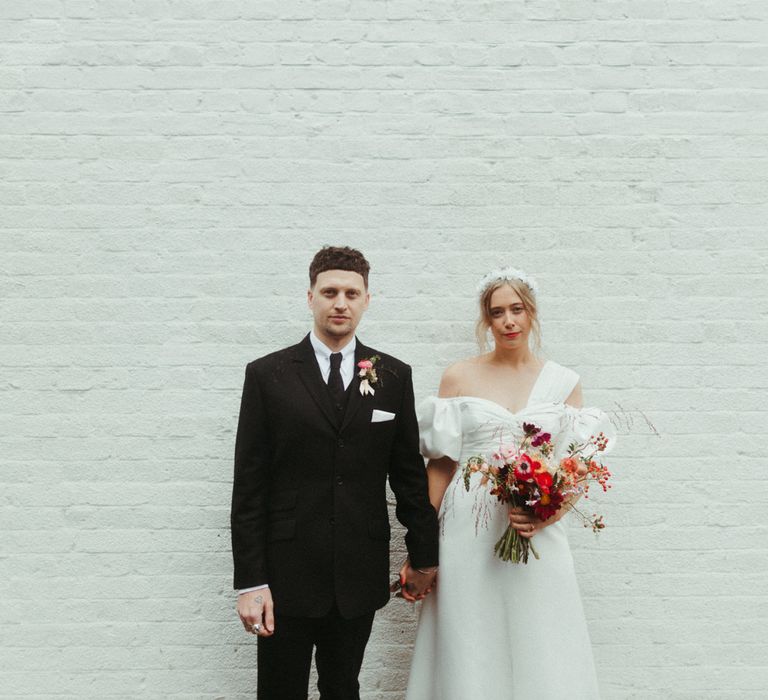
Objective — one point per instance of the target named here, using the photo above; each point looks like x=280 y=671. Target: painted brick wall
x=168 y=170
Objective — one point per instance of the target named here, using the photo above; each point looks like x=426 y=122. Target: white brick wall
x=169 y=168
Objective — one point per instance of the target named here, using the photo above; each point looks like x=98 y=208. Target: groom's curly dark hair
x=338 y=258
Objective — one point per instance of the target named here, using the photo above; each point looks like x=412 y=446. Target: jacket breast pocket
x=382 y=428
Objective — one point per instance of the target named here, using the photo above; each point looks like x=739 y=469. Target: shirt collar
x=323 y=350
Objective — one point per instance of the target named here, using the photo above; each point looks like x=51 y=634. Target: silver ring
x=255 y=627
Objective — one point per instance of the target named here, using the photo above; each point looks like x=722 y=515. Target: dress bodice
x=462 y=426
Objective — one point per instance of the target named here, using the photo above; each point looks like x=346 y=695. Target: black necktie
x=335 y=382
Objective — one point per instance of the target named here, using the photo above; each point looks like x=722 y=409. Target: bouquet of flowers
x=527 y=475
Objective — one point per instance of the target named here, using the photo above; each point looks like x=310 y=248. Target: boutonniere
x=367 y=375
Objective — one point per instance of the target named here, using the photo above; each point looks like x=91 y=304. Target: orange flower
x=569 y=464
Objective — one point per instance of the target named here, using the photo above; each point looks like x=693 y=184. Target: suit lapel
x=355 y=398
x=309 y=373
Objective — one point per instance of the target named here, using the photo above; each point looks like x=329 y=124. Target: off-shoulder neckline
x=523 y=410
x=525 y=407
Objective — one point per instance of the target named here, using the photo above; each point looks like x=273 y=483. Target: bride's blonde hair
x=529 y=304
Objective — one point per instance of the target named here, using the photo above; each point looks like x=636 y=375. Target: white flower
x=506 y=273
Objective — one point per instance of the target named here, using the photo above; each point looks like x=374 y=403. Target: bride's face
x=510 y=322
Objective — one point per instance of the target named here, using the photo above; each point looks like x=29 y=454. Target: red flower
x=544 y=480
x=540 y=439
x=525 y=468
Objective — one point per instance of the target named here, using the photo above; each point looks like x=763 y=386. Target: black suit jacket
x=309 y=505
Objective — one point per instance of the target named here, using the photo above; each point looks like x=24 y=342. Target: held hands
x=415 y=584
x=257 y=612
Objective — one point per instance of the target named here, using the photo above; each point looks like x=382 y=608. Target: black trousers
x=285 y=658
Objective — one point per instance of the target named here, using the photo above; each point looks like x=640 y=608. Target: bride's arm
x=438 y=478
x=439 y=475
x=440 y=471
x=575 y=398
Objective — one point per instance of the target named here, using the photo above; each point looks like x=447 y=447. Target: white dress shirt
x=323 y=355
x=347 y=369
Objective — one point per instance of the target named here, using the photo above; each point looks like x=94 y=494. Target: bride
x=494 y=630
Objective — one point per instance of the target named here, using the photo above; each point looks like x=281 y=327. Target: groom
x=315 y=444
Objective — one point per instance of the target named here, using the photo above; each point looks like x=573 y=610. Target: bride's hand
x=527 y=524
x=415 y=584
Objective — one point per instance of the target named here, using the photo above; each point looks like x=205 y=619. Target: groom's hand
x=257 y=612
x=416 y=584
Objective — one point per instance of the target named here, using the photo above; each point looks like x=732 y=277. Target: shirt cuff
x=252 y=588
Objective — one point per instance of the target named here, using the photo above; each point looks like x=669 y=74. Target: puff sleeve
x=583 y=423
x=440 y=428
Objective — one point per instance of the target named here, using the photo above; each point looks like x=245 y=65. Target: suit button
x=340 y=443
x=339 y=480
x=332 y=520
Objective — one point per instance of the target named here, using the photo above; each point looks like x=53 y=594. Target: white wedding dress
x=494 y=630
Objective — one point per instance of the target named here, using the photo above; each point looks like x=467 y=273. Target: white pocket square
x=380 y=416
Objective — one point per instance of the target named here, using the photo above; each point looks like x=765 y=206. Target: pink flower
x=365 y=364
x=509 y=454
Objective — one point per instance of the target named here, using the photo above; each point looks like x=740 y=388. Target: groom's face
x=337 y=300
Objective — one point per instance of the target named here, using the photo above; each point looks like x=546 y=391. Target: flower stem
x=512 y=547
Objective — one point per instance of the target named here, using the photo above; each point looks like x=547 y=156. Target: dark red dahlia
x=548 y=505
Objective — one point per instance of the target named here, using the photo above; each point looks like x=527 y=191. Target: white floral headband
x=501 y=274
